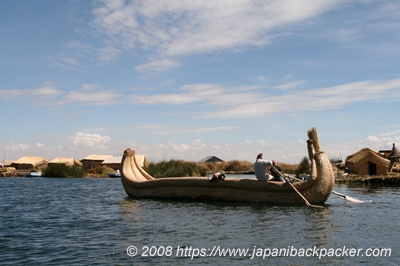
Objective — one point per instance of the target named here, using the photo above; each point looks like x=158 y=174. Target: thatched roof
x=394 y=155
x=365 y=155
x=112 y=160
x=97 y=157
x=30 y=160
x=66 y=161
x=211 y=159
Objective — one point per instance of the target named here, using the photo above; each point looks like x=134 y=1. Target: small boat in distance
x=115 y=175
x=315 y=190
x=33 y=174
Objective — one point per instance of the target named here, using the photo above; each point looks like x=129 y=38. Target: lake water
x=56 y=221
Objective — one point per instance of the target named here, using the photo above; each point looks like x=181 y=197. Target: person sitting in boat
x=276 y=171
x=261 y=168
x=218 y=176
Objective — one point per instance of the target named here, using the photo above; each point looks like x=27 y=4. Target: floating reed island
x=390 y=179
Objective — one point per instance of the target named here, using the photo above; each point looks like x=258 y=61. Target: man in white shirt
x=261 y=169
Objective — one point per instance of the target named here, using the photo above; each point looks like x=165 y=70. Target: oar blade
x=345 y=197
x=353 y=199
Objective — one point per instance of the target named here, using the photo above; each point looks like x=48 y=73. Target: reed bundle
x=313 y=136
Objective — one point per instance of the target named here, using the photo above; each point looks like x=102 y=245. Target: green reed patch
x=304 y=167
x=175 y=168
x=101 y=171
x=61 y=170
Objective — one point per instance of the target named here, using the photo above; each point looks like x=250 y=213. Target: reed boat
x=316 y=189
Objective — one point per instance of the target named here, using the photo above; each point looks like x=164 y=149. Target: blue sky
x=187 y=79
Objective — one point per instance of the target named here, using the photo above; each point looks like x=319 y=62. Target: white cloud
x=69 y=63
x=160 y=129
x=373 y=139
x=259 y=79
x=89 y=93
x=14 y=146
x=250 y=101
x=160 y=65
x=290 y=85
x=172 y=28
x=261 y=142
x=395 y=131
x=209 y=93
x=52 y=135
x=91 y=86
x=91 y=96
x=382 y=141
x=48 y=91
x=108 y=53
x=89 y=141
x=72 y=61
x=39 y=145
x=77 y=45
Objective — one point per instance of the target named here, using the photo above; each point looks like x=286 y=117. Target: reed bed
x=175 y=168
x=101 y=171
x=61 y=170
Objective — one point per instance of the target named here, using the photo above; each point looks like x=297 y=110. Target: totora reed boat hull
x=316 y=189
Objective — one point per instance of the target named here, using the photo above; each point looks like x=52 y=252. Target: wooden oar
x=295 y=189
x=343 y=196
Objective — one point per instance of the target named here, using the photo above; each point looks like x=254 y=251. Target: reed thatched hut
x=66 y=161
x=29 y=163
x=367 y=162
x=94 y=161
x=113 y=162
x=211 y=159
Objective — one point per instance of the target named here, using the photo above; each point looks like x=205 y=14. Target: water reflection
x=130 y=208
x=319 y=226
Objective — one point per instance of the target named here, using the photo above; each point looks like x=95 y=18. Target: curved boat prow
x=130 y=168
x=321 y=169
